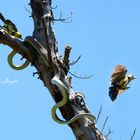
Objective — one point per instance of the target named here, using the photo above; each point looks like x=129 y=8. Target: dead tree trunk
x=41 y=50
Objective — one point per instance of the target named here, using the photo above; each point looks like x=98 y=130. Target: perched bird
x=10 y=27
x=119 y=81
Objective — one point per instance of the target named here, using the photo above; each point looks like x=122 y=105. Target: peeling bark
x=46 y=47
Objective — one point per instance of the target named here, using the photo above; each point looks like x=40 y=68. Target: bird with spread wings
x=119 y=81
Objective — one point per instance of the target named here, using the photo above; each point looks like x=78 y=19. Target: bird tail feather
x=113 y=92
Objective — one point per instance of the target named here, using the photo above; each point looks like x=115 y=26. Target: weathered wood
x=83 y=128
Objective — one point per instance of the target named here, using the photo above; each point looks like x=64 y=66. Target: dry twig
x=108 y=134
x=132 y=136
x=99 y=114
x=74 y=62
x=104 y=124
x=64 y=20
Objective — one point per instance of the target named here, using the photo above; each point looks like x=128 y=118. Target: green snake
x=12 y=65
x=62 y=88
x=36 y=45
x=55 y=81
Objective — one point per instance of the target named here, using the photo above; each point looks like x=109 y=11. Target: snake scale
x=55 y=81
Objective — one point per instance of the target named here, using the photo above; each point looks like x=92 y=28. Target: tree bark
x=44 y=56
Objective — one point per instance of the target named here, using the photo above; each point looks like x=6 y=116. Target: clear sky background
x=105 y=33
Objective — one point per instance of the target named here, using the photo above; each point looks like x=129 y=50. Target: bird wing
x=114 y=92
x=118 y=73
x=12 y=24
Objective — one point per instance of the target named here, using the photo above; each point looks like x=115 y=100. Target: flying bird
x=10 y=27
x=119 y=81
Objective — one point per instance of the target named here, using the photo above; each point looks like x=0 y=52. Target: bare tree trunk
x=42 y=51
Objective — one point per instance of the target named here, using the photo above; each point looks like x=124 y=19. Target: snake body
x=56 y=81
x=12 y=65
x=36 y=45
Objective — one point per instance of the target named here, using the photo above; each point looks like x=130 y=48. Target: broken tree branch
x=66 y=56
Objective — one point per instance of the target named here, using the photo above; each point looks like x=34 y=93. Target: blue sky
x=105 y=33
